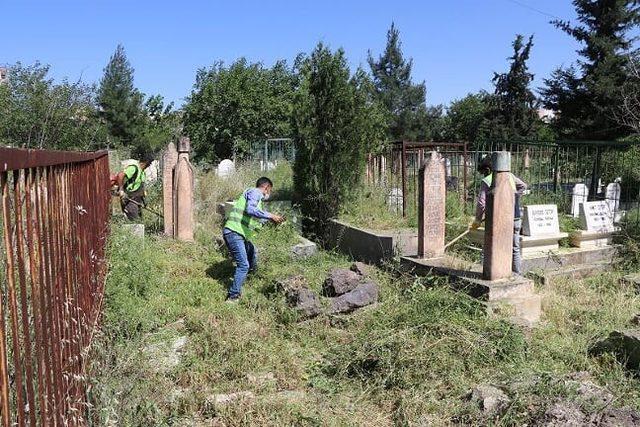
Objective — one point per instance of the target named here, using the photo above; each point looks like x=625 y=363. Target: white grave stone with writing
x=612 y=196
x=597 y=216
x=540 y=220
x=226 y=168
x=579 y=196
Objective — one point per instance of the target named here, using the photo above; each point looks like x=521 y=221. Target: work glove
x=474 y=225
x=122 y=194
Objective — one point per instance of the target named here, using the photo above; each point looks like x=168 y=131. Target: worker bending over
x=245 y=218
x=519 y=187
x=130 y=184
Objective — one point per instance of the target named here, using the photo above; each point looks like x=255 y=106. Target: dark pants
x=245 y=257
x=131 y=206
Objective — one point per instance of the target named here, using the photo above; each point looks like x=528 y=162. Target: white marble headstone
x=579 y=196
x=226 y=168
x=596 y=216
x=394 y=199
x=540 y=220
x=612 y=196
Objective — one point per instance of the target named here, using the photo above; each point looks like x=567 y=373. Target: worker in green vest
x=131 y=187
x=245 y=218
x=519 y=187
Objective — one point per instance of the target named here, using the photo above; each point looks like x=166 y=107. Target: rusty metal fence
x=54 y=230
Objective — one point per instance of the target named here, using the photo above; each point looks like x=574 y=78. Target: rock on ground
x=304 y=249
x=224 y=399
x=490 y=399
x=360 y=268
x=305 y=301
x=625 y=345
x=564 y=414
x=339 y=282
x=620 y=417
x=363 y=295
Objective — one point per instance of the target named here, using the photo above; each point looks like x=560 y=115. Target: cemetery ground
x=172 y=352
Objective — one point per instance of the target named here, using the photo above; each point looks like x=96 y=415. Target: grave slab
x=541 y=229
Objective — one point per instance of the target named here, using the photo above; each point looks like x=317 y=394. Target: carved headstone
x=540 y=220
x=597 y=216
x=498 y=236
x=431 y=207
x=183 y=193
x=169 y=160
x=580 y=195
x=226 y=168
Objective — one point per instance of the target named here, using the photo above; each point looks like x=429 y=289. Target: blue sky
x=456 y=45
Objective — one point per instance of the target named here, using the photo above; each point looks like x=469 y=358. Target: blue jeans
x=245 y=257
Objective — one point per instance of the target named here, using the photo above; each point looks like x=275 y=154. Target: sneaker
x=232 y=300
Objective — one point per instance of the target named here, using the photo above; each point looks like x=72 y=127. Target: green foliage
x=334 y=123
x=587 y=95
x=120 y=102
x=404 y=101
x=466 y=118
x=512 y=113
x=35 y=112
x=230 y=107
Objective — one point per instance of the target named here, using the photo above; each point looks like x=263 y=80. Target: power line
x=541 y=12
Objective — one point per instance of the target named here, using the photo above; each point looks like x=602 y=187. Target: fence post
x=556 y=162
x=404 y=178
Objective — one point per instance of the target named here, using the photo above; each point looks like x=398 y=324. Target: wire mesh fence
x=270 y=152
x=556 y=173
x=54 y=229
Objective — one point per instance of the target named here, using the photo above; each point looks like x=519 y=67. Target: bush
x=335 y=121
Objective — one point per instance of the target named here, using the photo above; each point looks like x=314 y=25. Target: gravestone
x=394 y=199
x=579 y=195
x=183 y=193
x=596 y=216
x=527 y=159
x=226 y=168
x=612 y=196
x=540 y=220
x=431 y=207
x=448 y=166
x=169 y=160
x=498 y=237
x=541 y=229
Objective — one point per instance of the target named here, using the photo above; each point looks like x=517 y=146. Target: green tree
x=466 y=118
x=160 y=125
x=586 y=95
x=512 y=113
x=404 y=100
x=335 y=120
x=229 y=108
x=36 y=112
x=120 y=102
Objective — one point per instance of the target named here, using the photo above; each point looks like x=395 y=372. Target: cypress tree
x=120 y=102
x=586 y=95
x=404 y=101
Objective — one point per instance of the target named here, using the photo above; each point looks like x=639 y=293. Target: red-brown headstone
x=498 y=236
x=169 y=160
x=431 y=207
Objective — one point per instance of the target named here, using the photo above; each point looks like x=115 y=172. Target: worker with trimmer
x=130 y=184
x=519 y=187
x=245 y=218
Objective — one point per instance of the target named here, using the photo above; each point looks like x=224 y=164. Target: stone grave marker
x=169 y=160
x=394 y=199
x=579 y=195
x=226 y=168
x=498 y=237
x=431 y=207
x=612 y=195
x=597 y=216
x=540 y=220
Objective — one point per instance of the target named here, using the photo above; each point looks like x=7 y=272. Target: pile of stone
x=344 y=291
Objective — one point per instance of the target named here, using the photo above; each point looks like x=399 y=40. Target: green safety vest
x=516 y=206
x=240 y=221
x=136 y=180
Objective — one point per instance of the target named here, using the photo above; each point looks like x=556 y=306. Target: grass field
x=170 y=345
